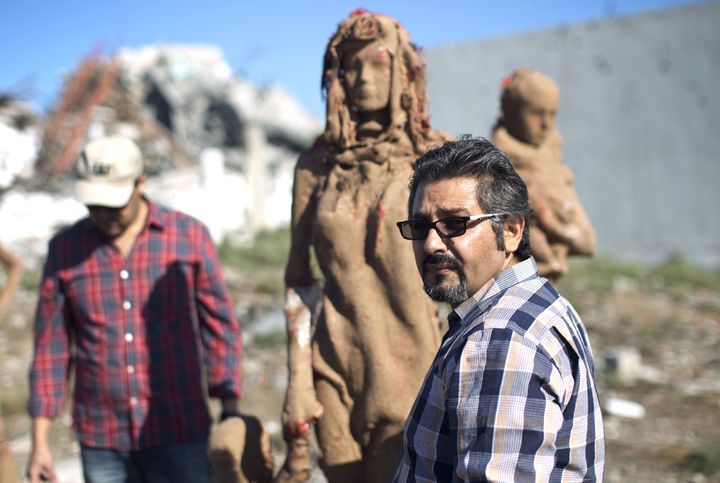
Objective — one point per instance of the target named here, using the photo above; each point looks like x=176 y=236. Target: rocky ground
x=658 y=330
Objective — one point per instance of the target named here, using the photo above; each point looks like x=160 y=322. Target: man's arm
x=49 y=369
x=505 y=400
x=219 y=329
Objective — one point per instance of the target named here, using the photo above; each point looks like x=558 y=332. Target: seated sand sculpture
x=239 y=451
x=356 y=372
x=526 y=132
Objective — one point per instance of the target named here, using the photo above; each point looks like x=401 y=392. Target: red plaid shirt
x=145 y=334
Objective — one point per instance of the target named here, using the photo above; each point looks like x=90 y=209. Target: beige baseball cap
x=106 y=171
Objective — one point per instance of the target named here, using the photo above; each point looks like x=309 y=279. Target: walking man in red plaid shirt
x=133 y=301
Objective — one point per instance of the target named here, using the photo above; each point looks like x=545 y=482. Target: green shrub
x=705 y=458
x=677 y=271
x=262 y=261
x=30 y=280
x=269 y=249
x=271 y=340
x=600 y=276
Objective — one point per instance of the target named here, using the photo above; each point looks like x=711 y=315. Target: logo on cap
x=101 y=169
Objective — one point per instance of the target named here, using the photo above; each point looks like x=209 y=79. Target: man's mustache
x=443 y=259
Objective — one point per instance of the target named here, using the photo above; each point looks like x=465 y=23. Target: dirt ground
x=676 y=330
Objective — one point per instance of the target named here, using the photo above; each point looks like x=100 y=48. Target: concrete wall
x=639 y=111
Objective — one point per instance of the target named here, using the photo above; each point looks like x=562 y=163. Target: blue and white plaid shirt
x=510 y=395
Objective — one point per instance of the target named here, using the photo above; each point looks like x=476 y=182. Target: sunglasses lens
x=450 y=227
x=414 y=230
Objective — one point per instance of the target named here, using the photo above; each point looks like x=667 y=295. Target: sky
x=269 y=42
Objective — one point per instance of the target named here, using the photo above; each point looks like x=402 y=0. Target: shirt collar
x=155 y=217
x=477 y=303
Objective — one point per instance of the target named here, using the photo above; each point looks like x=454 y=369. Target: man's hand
x=40 y=467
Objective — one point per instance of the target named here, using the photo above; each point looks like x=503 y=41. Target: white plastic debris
x=624 y=408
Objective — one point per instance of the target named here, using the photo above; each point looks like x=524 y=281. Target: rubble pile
x=18 y=140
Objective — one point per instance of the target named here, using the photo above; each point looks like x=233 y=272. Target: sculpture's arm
x=576 y=232
x=585 y=243
x=541 y=249
x=301 y=408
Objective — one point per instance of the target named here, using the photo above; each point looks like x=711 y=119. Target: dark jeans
x=177 y=463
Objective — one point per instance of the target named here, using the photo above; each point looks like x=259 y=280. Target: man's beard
x=453 y=294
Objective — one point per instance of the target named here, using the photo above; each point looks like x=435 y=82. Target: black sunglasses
x=449 y=227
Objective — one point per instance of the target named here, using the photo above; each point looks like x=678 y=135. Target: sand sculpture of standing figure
x=526 y=132
x=356 y=371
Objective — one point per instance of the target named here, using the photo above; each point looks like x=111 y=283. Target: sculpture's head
x=372 y=68
x=529 y=105
x=365 y=68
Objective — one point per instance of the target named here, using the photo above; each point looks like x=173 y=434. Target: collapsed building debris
x=18 y=139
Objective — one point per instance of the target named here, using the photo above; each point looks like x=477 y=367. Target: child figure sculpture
x=526 y=132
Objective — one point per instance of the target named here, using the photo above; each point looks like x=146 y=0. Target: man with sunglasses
x=510 y=395
x=133 y=300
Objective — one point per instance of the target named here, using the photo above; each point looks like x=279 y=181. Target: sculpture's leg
x=382 y=454
x=341 y=455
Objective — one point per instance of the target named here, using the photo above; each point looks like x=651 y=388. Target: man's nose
x=433 y=243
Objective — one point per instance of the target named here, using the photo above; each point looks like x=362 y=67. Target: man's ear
x=512 y=233
x=140 y=182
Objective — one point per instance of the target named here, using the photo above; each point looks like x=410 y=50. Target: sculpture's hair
x=408 y=104
x=499 y=188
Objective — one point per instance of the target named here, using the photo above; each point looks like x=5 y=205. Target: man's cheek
x=419 y=258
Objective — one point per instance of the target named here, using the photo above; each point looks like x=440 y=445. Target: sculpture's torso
x=377 y=329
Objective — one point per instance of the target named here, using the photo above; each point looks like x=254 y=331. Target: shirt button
x=133 y=400
x=129 y=337
x=127 y=305
x=130 y=369
x=124 y=274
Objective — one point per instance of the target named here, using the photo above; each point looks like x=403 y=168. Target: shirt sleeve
x=505 y=408
x=219 y=329
x=51 y=340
